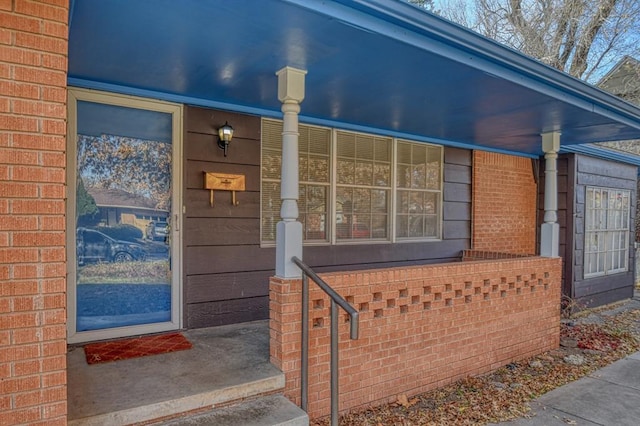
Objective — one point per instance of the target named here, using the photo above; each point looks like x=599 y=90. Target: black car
x=95 y=246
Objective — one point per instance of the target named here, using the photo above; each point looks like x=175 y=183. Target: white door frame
x=74 y=95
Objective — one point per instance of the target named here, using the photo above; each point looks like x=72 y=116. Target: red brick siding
x=504 y=203
x=33 y=110
x=420 y=327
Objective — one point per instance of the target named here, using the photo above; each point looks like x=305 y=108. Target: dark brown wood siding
x=575 y=173
x=226 y=272
x=601 y=173
x=565 y=210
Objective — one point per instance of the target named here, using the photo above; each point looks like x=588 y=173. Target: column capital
x=291 y=84
x=550 y=142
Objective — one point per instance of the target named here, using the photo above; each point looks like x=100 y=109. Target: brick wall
x=33 y=72
x=468 y=255
x=420 y=327
x=504 y=203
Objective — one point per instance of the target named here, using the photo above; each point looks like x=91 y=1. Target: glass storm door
x=123 y=230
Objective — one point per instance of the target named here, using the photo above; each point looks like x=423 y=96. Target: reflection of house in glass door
x=126 y=269
x=119 y=206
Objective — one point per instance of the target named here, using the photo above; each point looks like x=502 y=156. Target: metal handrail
x=336 y=300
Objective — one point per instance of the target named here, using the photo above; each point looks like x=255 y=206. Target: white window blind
x=314 y=172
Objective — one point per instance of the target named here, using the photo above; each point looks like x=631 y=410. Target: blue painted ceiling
x=375 y=65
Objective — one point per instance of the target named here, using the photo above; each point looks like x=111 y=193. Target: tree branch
x=579 y=62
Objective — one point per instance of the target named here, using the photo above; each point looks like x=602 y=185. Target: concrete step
x=226 y=365
x=273 y=410
x=147 y=413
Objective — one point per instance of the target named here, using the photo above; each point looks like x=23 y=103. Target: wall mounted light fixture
x=225 y=133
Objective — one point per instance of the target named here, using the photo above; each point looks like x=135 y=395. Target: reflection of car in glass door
x=94 y=246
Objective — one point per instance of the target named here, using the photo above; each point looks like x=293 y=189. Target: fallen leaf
x=402 y=400
x=478 y=401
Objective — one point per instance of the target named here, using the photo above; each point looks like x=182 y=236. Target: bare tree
x=581 y=37
x=136 y=166
x=425 y=4
x=584 y=38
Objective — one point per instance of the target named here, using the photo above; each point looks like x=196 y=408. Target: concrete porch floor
x=226 y=364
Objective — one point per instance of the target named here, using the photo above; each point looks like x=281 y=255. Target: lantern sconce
x=225 y=134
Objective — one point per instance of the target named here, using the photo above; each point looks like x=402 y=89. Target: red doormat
x=132 y=348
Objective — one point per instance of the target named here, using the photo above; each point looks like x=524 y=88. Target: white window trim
x=330 y=195
x=390 y=188
x=440 y=200
x=393 y=189
x=607 y=252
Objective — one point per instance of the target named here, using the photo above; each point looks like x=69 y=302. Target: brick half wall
x=420 y=327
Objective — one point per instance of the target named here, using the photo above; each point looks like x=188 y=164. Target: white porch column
x=550 y=233
x=289 y=230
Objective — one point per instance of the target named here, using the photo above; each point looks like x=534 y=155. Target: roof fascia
x=117 y=206
x=405 y=23
x=606 y=154
x=165 y=96
x=410 y=136
x=267 y=113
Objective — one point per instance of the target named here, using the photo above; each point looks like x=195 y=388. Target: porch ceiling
x=374 y=65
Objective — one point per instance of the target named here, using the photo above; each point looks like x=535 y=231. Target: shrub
x=155 y=272
x=121 y=232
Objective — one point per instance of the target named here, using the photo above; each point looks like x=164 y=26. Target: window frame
x=607 y=233
x=333 y=185
x=329 y=226
x=439 y=192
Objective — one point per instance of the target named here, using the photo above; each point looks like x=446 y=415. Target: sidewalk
x=610 y=396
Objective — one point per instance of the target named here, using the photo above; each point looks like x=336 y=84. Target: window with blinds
x=314 y=171
x=371 y=198
x=418 y=190
x=606 y=242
